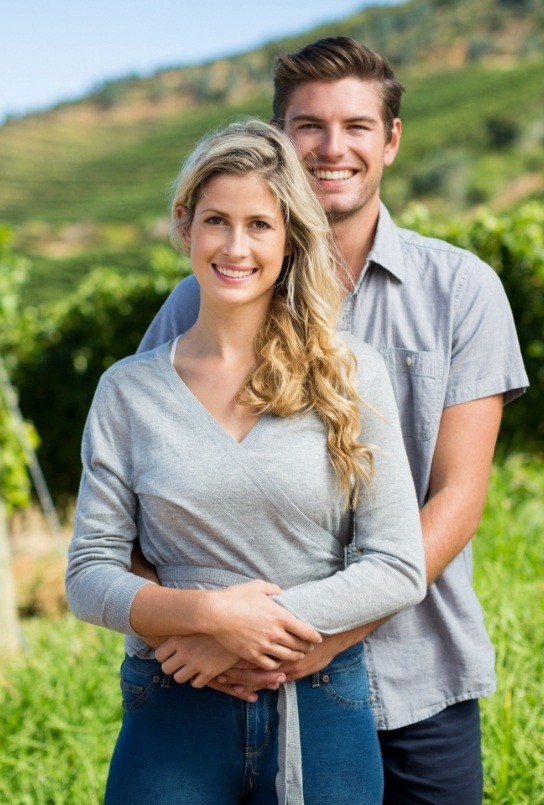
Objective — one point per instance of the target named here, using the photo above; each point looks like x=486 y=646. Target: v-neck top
x=157 y=465
x=210 y=511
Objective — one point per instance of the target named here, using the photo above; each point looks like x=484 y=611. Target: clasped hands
x=252 y=643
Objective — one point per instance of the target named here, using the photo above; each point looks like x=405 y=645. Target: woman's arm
x=243 y=618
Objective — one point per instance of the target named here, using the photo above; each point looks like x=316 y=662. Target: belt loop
x=167 y=679
x=316 y=680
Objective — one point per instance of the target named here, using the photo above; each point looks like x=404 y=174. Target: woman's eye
x=261 y=225
x=214 y=220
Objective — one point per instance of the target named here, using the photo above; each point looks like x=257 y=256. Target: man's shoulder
x=431 y=255
x=411 y=239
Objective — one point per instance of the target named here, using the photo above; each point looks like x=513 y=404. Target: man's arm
x=459 y=478
x=457 y=492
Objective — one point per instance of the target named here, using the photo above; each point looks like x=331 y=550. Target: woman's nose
x=236 y=243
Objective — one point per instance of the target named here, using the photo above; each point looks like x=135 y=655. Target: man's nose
x=333 y=143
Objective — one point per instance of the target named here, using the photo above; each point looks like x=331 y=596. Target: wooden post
x=10 y=634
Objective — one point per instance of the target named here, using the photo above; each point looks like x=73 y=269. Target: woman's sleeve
x=99 y=585
x=389 y=571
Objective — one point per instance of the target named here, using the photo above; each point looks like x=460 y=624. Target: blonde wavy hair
x=303 y=366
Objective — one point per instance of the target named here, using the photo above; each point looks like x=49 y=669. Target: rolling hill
x=92 y=176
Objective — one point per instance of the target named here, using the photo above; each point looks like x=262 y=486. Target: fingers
x=285 y=654
x=245 y=694
x=173 y=665
x=294 y=643
x=182 y=675
x=265 y=587
x=302 y=630
x=252 y=679
x=164 y=651
x=267 y=662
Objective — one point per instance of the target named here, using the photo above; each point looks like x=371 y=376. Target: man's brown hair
x=333 y=59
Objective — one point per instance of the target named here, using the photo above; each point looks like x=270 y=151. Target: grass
x=60 y=714
x=60 y=703
x=509 y=578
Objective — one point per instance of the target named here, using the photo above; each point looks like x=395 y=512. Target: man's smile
x=334 y=175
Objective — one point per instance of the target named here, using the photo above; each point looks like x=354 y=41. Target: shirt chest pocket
x=417 y=379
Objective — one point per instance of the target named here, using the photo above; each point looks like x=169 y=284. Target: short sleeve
x=176 y=316
x=486 y=357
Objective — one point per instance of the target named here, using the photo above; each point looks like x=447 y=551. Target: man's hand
x=195 y=657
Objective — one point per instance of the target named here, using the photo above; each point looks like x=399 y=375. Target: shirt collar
x=386 y=250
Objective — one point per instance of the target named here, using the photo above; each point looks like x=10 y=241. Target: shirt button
x=325 y=678
x=408 y=361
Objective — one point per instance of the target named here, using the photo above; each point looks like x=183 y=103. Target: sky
x=58 y=50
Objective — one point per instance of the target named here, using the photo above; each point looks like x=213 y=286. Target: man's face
x=339 y=133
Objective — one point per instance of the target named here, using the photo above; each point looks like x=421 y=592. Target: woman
x=240 y=456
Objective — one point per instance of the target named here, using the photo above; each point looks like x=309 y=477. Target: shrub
x=513 y=244
x=79 y=338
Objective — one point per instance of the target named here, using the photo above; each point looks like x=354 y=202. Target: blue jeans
x=179 y=745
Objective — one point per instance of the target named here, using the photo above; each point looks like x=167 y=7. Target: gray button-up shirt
x=441 y=320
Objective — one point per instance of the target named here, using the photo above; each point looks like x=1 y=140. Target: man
x=440 y=319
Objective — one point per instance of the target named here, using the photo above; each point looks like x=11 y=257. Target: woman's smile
x=233 y=272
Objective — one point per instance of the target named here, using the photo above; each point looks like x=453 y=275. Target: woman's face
x=237 y=240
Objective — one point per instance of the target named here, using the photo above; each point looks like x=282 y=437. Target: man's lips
x=234 y=272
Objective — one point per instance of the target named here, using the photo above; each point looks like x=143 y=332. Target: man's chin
x=337 y=214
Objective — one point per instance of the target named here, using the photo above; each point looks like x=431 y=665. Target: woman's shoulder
x=135 y=368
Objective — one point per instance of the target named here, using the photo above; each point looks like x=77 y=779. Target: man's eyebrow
x=317 y=119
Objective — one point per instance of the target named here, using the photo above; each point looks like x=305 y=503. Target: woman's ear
x=181 y=224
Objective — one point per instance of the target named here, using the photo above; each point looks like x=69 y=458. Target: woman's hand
x=249 y=624
x=195 y=657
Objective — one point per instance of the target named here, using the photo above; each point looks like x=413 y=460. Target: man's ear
x=181 y=224
x=392 y=146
